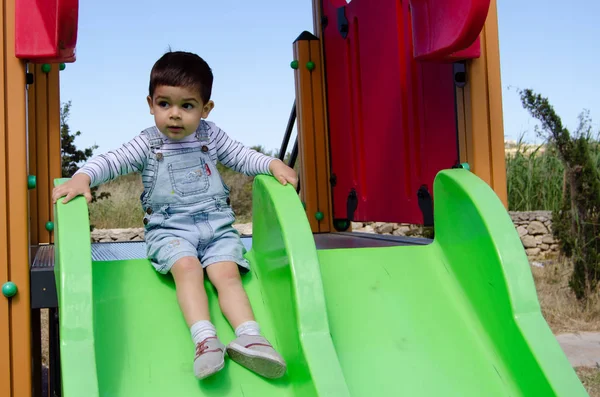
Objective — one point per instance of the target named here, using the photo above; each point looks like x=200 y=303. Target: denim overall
x=186 y=205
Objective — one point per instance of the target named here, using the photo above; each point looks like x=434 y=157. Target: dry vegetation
x=562 y=311
x=590 y=377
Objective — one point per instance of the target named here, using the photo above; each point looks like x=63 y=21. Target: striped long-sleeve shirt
x=133 y=156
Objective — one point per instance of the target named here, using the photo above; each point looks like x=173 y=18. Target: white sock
x=248 y=328
x=202 y=330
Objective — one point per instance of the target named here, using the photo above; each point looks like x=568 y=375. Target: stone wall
x=534 y=228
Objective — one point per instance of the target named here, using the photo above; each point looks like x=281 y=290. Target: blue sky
x=249 y=47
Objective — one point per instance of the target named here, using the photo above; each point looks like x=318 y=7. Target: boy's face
x=177 y=110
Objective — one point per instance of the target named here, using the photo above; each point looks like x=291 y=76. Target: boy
x=188 y=219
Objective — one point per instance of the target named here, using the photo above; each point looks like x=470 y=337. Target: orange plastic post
x=44 y=147
x=14 y=126
x=42 y=138
x=33 y=161
x=5 y=342
x=481 y=130
x=312 y=133
x=54 y=144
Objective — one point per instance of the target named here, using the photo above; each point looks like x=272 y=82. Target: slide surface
x=458 y=317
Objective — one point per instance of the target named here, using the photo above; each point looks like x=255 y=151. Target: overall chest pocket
x=188 y=177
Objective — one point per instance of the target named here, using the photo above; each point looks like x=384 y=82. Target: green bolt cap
x=310 y=65
x=49 y=226
x=46 y=68
x=9 y=289
x=31 y=182
x=294 y=64
x=466 y=166
x=319 y=216
x=62 y=66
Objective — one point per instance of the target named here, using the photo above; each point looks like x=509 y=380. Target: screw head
x=294 y=64
x=319 y=215
x=49 y=226
x=310 y=65
x=46 y=68
x=9 y=289
x=62 y=66
x=31 y=182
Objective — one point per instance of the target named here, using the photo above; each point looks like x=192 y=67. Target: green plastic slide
x=458 y=317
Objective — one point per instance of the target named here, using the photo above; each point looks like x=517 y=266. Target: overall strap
x=154 y=138
x=203 y=132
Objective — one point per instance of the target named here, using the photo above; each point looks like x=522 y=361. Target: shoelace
x=203 y=346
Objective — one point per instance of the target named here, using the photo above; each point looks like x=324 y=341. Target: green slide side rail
x=73 y=273
x=484 y=251
x=283 y=245
x=284 y=258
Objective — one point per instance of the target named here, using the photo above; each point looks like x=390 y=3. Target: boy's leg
x=233 y=299
x=249 y=349
x=191 y=295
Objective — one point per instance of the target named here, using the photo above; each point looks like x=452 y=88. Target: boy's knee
x=186 y=265
x=224 y=274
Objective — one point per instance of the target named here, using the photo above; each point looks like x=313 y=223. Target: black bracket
x=342 y=22
x=426 y=205
x=460 y=74
x=333 y=180
x=351 y=204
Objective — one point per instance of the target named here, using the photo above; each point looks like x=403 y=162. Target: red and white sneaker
x=257 y=354
x=210 y=357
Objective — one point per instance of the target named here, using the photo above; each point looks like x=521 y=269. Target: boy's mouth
x=175 y=128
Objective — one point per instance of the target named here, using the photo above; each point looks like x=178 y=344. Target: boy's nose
x=175 y=113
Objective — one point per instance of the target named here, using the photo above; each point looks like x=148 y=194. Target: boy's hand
x=283 y=173
x=79 y=185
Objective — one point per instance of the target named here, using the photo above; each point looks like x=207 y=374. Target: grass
x=562 y=311
x=122 y=209
x=590 y=377
x=534 y=178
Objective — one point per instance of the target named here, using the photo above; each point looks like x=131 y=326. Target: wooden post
x=315 y=189
x=15 y=322
x=481 y=130
x=44 y=147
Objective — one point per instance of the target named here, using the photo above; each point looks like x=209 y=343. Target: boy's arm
x=235 y=155
x=131 y=157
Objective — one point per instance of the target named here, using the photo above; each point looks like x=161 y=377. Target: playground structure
x=391 y=100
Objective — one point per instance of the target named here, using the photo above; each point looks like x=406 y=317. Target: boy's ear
x=208 y=107
x=149 y=99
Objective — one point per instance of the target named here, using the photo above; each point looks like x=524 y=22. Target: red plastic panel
x=472 y=52
x=444 y=27
x=392 y=119
x=46 y=30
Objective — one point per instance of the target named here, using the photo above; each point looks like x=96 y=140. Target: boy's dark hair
x=182 y=69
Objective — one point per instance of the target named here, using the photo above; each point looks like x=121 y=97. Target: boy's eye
x=163 y=104
x=188 y=106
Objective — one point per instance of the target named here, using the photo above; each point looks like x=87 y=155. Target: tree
x=576 y=225
x=70 y=155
